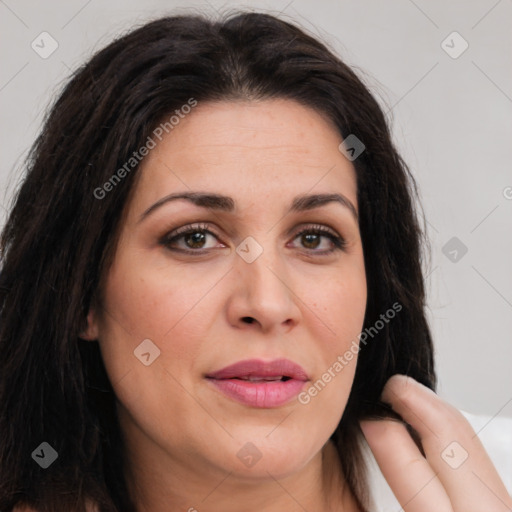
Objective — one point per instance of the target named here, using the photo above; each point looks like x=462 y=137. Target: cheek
x=157 y=303
x=167 y=309
x=340 y=307
x=148 y=304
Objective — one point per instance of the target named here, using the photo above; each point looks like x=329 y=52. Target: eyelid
x=183 y=230
x=313 y=226
x=323 y=230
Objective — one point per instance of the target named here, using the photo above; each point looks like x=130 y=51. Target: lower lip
x=263 y=394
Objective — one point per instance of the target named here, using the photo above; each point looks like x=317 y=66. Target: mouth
x=260 y=384
x=255 y=378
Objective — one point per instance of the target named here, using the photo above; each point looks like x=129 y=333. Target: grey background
x=451 y=119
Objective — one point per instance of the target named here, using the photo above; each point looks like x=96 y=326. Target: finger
x=409 y=475
x=451 y=447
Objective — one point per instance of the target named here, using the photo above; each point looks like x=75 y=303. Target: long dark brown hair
x=59 y=237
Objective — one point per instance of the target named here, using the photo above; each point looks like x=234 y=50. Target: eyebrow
x=227 y=204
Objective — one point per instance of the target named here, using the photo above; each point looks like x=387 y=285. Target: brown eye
x=195 y=239
x=190 y=239
x=311 y=239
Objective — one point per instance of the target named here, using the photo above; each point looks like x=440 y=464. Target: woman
x=211 y=278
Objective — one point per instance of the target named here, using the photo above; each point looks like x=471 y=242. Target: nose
x=262 y=296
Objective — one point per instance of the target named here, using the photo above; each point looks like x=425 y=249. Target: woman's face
x=174 y=309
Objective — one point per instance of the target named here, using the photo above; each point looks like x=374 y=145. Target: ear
x=91 y=332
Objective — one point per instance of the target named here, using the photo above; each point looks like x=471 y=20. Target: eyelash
x=338 y=241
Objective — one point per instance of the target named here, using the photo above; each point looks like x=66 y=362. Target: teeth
x=259 y=379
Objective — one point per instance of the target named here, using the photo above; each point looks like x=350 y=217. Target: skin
x=182 y=435
x=456 y=475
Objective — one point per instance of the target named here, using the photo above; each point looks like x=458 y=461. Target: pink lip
x=263 y=394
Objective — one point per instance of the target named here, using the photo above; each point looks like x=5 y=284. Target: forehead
x=270 y=127
x=249 y=147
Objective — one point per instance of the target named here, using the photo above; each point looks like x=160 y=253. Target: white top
x=494 y=433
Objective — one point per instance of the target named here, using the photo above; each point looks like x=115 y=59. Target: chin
x=257 y=456
x=273 y=466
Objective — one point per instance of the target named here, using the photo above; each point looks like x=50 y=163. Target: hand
x=444 y=480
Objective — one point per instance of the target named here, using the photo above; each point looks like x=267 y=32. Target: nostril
x=248 y=319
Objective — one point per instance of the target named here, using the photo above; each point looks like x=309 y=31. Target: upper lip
x=260 y=368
